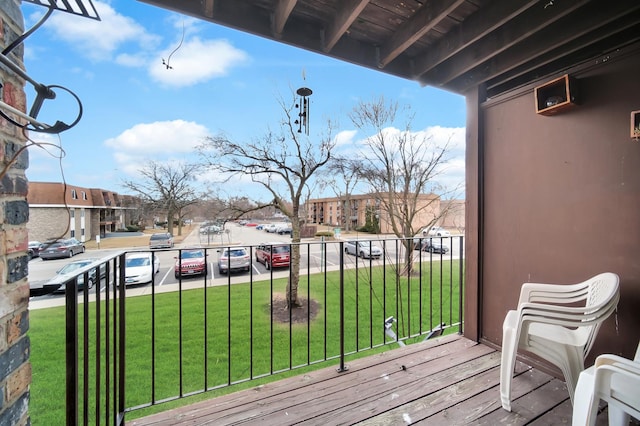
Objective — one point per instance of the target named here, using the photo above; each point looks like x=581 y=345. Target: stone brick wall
x=15 y=369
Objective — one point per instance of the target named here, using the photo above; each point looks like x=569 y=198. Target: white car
x=70 y=270
x=364 y=249
x=435 y=231
x=137 y=268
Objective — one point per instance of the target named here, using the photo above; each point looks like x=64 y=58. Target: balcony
x=370 y=353
x=446 y=381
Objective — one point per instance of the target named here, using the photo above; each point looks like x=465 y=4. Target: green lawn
x=218 y=336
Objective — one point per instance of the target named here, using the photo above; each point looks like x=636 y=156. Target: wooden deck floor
x=451 y=380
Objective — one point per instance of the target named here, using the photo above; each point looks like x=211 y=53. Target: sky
x=136 y=109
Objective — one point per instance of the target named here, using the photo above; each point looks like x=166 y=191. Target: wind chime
x=303 y=109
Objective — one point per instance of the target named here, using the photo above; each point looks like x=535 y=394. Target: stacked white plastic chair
x=558 y=323
x=613 y=379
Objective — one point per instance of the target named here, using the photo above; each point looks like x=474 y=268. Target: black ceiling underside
x=451 y=44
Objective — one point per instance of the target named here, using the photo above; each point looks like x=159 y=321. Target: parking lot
x=315 y=257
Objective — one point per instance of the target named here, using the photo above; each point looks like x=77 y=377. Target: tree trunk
x=294 y=275
x=408 y=258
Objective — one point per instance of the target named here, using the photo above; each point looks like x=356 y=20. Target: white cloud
x=159 y=137
x=98 y=40
x=345 y=137
x=160 y=141
x=196 y=61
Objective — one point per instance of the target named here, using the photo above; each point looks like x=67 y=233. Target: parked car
x=273 y=255
x=435 y=231
x=364 y=249
x=34 y=249
x=259 y=226
x=68 y=247
x=284 y=229
x=190 y=262
x=270 y=227
x=233 y=259
x=56 y=283
x=161 y=240
x=210 y=229
x=138 y=267
x=431 y=244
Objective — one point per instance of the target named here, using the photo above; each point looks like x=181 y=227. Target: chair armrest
x=619 y=362
x=551 y=293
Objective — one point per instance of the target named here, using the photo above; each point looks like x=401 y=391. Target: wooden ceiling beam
x=558 y=40
x=281 y=15
x=428 y=16
x=476 y=26
x=348 y=12
x=208 y=7
x=512 y=33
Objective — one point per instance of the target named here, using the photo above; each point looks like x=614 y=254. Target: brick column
x=15 y=368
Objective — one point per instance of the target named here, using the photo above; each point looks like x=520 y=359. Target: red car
x=191 y=262
x=273 y=255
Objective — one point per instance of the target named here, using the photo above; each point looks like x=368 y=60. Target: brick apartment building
x=62 y=210
x=351 y=212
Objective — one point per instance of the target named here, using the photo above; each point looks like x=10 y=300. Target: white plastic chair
x=558 y=323
x=613 y=379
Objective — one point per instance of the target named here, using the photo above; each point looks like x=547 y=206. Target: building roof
x=452 y=44
x=59 y=194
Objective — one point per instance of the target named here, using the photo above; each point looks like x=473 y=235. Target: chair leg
x=575 y=365
x=508 y=358
x=584 y=406
x=617 y=417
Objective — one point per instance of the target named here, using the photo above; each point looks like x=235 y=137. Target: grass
x=190 y=332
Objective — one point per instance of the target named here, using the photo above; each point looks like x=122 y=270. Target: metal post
x=342 y=367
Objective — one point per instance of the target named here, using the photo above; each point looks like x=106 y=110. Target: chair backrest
x=584 y=306
x=602 y=297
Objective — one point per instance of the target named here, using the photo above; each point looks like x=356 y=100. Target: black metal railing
x=174 y=340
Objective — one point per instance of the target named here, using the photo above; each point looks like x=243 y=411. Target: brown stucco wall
x=560 y=196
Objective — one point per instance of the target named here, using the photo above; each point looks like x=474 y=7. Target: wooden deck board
x=450 y=380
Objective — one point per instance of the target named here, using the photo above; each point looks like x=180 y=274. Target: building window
x=84 y=195
x=74 y=195
x=73 y=233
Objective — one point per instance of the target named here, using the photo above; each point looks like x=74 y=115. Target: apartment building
x=355 y=211
x=62 y=210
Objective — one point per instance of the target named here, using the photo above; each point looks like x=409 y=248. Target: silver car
x=61 y=248
x=161 y=240
x=364 y=249
x=74 y=269
x=234 y=259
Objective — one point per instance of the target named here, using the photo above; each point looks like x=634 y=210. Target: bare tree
x=402 y=167
x=168 y=187
x=283 y=163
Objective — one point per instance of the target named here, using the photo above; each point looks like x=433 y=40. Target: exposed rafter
x=558 y=41
x=452 y=44
x=348 y=12
x=281 y=15
x=208 y=8
x=508 y=35
x=425 y=19
x=475 y=27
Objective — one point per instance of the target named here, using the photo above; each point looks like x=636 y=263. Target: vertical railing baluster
x=308 y=302
x=85 y=345
x=122 y=340
x=71 y=348
x=461 y=285
x=342 y=351
x=153 y=338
